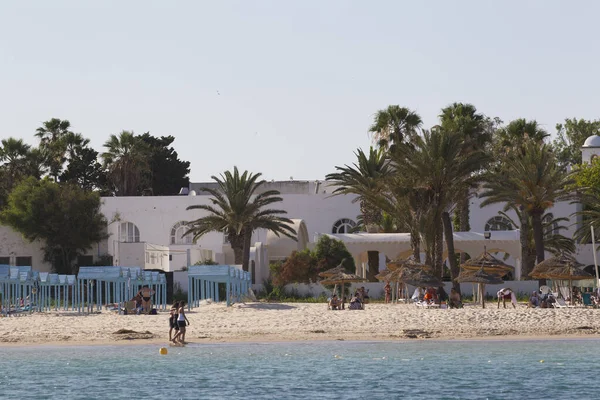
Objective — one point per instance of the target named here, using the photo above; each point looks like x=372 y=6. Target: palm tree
x=554 y=242
x=531 y=181
x=52 y=143
x=237 y=212
x=476 y=131
x=394 y=125
x=364 y=178
x=125 y=160
x=518 y=132
x=441 y=168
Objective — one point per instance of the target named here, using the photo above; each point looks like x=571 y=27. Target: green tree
x=126 y=161
x=237 y=212
x=17 y=161
x=330 y=253
x=83 y=167
x=570 y=137
x=65 y=217
x=394 y=125
x=166 y=174
x=366 y=177
x=52 y=135
x=441 y=170
x=531 y=181
x=476 y=130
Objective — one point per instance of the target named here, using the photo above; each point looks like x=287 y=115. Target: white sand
x=262 y=322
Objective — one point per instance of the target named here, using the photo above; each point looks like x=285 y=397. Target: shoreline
x=302 y=322
x=164 y=342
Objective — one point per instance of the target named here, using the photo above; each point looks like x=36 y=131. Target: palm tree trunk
x=527 y=261
x=373 y=259
x=439 y=247
x=237 y=245
x=464 y=222
x=538 y=234
x=454 y=268
x=415 y=245
x=247 y=245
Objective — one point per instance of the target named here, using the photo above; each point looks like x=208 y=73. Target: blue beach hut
x=101 y=285
x=203 y=283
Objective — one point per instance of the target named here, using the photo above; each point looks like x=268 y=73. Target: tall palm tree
x=364 y=178
x=394 y=125
x=530 y=180
x=237 y=212
x=52 y=135
x=125 y=161
x=518 y=132
x=441 y=168
x=476 y=131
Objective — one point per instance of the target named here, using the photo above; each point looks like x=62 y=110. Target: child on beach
x=173 y=319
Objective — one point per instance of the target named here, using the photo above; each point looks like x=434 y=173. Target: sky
x=288 y=88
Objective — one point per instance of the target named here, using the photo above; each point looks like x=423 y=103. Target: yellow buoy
x=163 y=351
x=542 y=361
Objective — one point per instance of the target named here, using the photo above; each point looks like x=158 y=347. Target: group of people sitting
x=143 y=302
x=357 y=301
x=436 y=296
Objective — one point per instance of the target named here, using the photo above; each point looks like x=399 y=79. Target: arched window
x=343 y=225
x=128 y=232
x=177 y=234
x=498 y=223
x=550 y=228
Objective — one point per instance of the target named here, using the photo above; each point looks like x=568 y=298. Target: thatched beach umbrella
x=332 y=271
x=480 y=277
x=409 y=262
x=341 y=278
x=422 y=278
x=563 y=268
x=489 y=263
x=383 y=276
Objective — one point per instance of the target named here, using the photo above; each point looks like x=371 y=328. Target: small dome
x=592 y=141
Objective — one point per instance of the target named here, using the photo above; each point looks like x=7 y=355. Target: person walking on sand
x=181 y=323
x=173 y=319
x=388 y=292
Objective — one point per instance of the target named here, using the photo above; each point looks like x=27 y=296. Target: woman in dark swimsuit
x=145 y=292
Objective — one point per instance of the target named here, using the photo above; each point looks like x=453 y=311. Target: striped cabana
x=203 y=281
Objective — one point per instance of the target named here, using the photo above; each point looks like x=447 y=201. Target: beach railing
x=17 y=284
x=101 y=285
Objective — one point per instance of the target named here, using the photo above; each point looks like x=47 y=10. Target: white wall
x=13 y=245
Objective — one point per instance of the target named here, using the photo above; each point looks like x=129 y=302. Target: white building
x=147 y=231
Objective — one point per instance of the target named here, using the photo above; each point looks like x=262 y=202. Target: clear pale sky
x=288 y=88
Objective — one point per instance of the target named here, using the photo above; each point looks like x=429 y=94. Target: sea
x=479 y=369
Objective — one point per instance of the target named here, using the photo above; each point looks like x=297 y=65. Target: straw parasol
x=561 y=267
x=422 y=278
x=489 y=263
x=384 y=275
x=480 y=277
x=332 y=271
x=409 y=262
x=341 y=278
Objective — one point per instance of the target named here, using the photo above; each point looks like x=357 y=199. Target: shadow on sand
x=266 y=306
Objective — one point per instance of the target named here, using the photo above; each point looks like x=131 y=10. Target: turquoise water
x=307 y=370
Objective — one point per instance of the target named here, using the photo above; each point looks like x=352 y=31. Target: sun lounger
x=424 y=304
x=561 y=303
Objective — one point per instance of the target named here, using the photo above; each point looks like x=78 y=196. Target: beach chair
x=130 y=308
x=561 y=303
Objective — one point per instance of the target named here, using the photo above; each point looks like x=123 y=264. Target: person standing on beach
x=181 y=323
x=388 y=291
x=173 y=319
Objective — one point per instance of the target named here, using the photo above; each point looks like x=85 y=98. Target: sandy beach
x=263 y=322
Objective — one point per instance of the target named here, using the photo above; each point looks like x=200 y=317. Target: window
x=23 y=261
x=498 y=223
x=343 y=225
x=177 y=234
x=128 y=232
x=83 y=261
x=550 y=227
x=4 y=260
